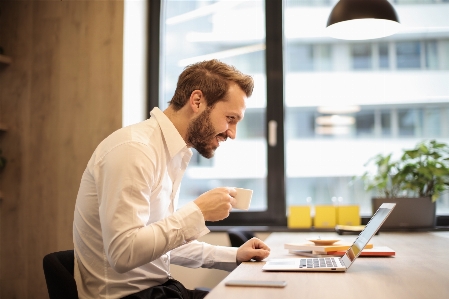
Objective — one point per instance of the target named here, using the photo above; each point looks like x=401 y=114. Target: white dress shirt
x=127 y=228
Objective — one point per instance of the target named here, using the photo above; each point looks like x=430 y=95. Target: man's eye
x=232 y=119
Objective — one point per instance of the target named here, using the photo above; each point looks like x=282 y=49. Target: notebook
x=335 y=264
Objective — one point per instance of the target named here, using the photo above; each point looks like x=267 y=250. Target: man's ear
x=196 y=101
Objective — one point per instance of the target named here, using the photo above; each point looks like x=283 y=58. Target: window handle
x=272 y=133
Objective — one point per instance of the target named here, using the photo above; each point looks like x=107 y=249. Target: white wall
x=134 y=61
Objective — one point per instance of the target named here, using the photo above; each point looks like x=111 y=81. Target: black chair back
x=238 y=236
x=58 y=270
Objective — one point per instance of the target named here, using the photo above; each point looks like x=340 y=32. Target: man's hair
x=212 y=77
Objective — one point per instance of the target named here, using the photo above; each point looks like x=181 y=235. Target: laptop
x=335 y=264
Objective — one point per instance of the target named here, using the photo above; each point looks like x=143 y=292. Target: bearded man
x=127 y=228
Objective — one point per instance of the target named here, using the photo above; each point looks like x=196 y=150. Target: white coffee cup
x=243 y=198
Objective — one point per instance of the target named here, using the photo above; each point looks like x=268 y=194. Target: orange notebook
x=320 y=248
x=373 y=251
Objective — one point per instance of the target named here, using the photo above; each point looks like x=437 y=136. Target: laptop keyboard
x=317 y=263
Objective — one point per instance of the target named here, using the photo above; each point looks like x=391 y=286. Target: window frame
x=275 y=215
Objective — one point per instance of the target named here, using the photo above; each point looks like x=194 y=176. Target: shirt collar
x=175 y=143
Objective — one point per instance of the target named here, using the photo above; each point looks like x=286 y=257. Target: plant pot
x=409 y=213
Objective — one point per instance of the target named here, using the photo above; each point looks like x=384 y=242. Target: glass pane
x=431 y=55
x=299 y=58
x=444 y=54
x=301 y=123
x=445 y=122
x=384 y=59
x=340 y=117
x=323 y=58
x=309 y=190
x=408 y=55
x=432 y=122
x=409 y=122
x=365 y=123
x=233 y=32
x=361 y=56
x=386 y=122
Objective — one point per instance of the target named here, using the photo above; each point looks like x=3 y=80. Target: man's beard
x=201 y=133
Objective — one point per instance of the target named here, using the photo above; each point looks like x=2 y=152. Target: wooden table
x=420 y=269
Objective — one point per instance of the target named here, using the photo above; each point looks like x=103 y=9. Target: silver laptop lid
x=370 y=230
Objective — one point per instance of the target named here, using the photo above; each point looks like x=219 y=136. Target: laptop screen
x=370 y=230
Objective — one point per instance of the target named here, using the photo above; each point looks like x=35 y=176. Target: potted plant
x=383 y=180
x=424 y=170
x=414 y=182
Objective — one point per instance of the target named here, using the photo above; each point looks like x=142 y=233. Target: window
x=306 y=57
x=301 y=122
x=385 y=122
x=365 y=124
x=408 y=55
x=202 y=30
x=361 y=56
x=299 y=58
x=233 y=32
x=409 y=120
x=431 y=48
x=432 y=122
x=384 y=57
x=322 y=57
x=336 y=103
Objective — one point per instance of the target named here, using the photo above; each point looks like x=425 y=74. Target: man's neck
x=179 y=119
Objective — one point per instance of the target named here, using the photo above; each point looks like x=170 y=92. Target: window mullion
x=275 y=110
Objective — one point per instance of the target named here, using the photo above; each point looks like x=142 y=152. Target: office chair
x=238 y=236
x=58 y=270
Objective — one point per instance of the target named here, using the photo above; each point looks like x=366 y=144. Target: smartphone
x=257 y=283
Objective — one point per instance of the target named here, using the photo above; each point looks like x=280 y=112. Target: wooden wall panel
x=60 y=97
x=14 y=94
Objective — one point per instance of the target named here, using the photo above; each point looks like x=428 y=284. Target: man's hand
x=252 y=249
x=217 y=203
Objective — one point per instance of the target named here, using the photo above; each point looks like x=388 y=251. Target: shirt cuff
x=225 y=258
x=226 y=254
x=193 y=223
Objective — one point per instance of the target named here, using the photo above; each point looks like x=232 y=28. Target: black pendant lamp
x=362 y=19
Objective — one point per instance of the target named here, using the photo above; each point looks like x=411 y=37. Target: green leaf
x=422 y=171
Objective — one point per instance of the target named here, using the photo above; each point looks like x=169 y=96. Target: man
x=127 y=228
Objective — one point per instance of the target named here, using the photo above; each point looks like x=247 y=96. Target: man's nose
x=232 y=131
